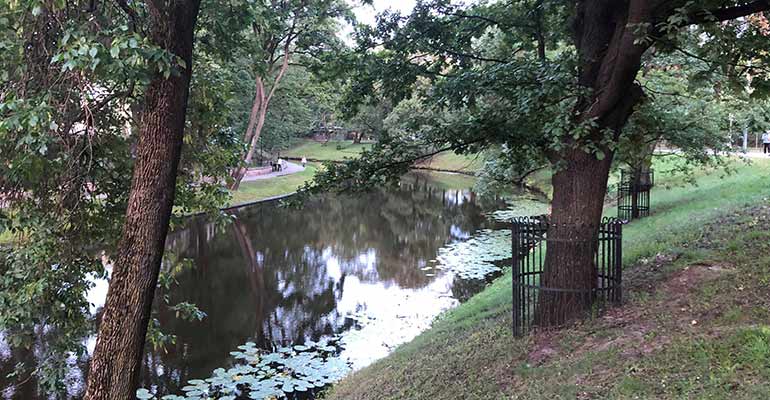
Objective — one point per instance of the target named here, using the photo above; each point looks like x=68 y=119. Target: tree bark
x=253 y=131
x=609 y=61
x=578 y=201
x=116 y=362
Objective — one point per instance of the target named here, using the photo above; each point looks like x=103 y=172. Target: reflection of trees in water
x=25 y=386
x=276 y=276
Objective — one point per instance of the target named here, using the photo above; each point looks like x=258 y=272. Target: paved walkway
x=754 y=154
x=288 y=169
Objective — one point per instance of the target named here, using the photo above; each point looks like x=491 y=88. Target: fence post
x=619 y=259
x=515 y=267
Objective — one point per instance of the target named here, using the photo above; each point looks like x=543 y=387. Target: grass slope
x=326 y=151
x=703 y=256
x=265 y=188
x=339 y=150
x=450 y=161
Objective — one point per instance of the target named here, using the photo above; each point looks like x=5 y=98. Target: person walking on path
x=304 y=162
x=766 y=142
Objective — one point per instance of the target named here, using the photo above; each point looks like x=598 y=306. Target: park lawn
x=449 y=161
x=694 y=323
x=663 y=165
x=326 y=151
x=287 y=184
x=339 y=150
x=266 y=188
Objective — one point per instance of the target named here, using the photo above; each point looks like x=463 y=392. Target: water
x=356 y=267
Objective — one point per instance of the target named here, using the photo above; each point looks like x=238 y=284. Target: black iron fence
x=579 y=276
x=634 y=193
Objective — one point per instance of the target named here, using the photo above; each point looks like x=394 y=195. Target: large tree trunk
x=578 y=201
x=116 y=362
x=609 y=61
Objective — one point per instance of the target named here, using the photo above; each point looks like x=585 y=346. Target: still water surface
x=361 y=268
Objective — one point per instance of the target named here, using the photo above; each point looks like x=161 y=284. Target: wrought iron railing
x=591 y=270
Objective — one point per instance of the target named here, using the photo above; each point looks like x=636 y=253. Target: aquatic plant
x=519 y=208
x=478 y=256
x=259 y=375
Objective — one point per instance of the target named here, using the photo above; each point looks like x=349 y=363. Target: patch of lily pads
x=520 y=208
x=477 y=257
x=288 y=372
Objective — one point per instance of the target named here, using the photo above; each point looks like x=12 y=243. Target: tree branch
x=728 y=13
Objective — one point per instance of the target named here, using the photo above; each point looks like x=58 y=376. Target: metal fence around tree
x=634 y=193
x=598 y=266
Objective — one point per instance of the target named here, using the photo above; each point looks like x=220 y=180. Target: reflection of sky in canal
x=360 y=268
x=385 y=318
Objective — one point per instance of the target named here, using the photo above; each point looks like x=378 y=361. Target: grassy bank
x=265 y=188
x=694 y=324
x=338 y=151
x=326 y=151
x=449 y=161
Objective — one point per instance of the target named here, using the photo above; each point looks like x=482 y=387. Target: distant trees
x=281 y=32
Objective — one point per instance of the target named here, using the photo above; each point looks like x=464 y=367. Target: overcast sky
x=366 y=13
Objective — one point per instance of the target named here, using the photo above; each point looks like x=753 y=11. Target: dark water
x=356 y=267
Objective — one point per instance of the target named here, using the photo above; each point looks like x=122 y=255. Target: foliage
x=300 y=368
x=504 y=78
x=73 y=76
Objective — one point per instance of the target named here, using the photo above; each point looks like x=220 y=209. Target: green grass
x=649 y=348
x=266 y=188
x=679 y=211
x=263 y=189
x=449 y=161
x=339 y=150
x=328 y=151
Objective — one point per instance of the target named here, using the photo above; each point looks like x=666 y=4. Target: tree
x=72 y=75
x=280 y=31
x=114 y=369
x=517 y=75
x=299 y=104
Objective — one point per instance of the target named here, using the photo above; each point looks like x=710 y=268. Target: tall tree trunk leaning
x=257 y=117
x=605 y=34
x=116 y=362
